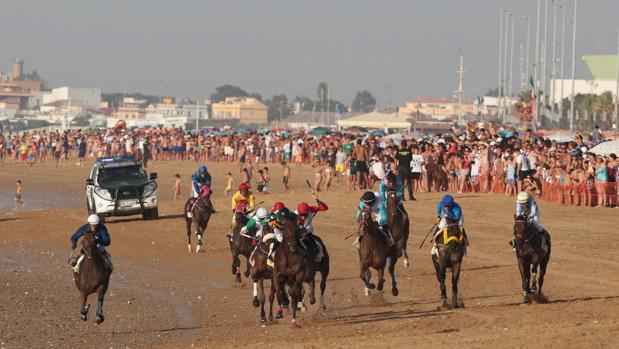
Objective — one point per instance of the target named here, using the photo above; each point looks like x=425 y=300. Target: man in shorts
x=360 y=153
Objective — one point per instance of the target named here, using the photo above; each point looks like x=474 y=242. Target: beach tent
x=606 y=148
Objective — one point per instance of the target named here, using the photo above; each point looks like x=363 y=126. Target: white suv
x=119 y=186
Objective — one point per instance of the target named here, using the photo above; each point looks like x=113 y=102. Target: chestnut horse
x=398 y=221
x=239 y=244
x=530 y=255
x=374 y=252
x=260 y=271
x=200 y=216
x=92 y=277
x=451 y=248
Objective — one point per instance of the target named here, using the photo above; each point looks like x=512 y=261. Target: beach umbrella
x=606 y=148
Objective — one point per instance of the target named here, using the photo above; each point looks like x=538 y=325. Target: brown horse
x=293 y=266
x=260 y=271
x=240 y=245
x=200 y=216
x=398 y=222
x=92 y=277
x=374 y=252
x=530 y=254
x=451 y=248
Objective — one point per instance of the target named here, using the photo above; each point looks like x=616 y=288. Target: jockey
x=391 y=182
x=447 y=208
x=245 y=196
x=278 y=212
x=527 y=206
x=200 y=178
x=377 y=206
x=306 y=214
x=102 y=237
x=255 y=224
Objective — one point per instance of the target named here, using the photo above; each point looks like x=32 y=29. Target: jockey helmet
x=303 y=208
x=523 y=197
x=368 y=197
x=251 y=224
x=262 y=213
x=447 y=200
x=278 y=206
x=93 y=219
x=202 y=169
x=244 y=186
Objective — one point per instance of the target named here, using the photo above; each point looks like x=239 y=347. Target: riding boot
x=108 y=261
x=387 y=234
x=512 y=243
x=545 y=240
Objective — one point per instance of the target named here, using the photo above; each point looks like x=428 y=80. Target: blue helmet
x=447 y=200
x=202 y=169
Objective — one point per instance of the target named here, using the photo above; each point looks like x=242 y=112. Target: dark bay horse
x=200 y=216
x=374 y=252
x=451 y=248
x=239 y=244
x=530 y=255
x=398 y=221
x=260 y=271
x=293 y=266
x=92 y=276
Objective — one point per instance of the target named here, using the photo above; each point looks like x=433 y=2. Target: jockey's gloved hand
x=73 y=246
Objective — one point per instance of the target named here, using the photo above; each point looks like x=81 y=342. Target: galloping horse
x=451 y=248
x=374 y=252
x=240 y=245
x=294 y=266
x=200 y=215
x=92 y=276
x=529 y=252
x=398 y=221
x=260 y=271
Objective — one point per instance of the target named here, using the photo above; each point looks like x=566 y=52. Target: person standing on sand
x=177 y=186
x=286 y=175
x=19 y=190
x=229 y=185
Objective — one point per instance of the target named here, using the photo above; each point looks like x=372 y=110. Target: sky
x=396 y=49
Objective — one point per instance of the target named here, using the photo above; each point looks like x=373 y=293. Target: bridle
x=525 y=223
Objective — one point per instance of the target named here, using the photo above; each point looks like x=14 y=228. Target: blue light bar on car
x=114 y=159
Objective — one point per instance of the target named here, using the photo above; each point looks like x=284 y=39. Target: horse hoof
x=247 y=273
x=263 y=320
x=526 y=299
x=372 y=286
x=189 y=248
x=312 y=300
x=270 y=317
x=279 y=315
x=380 y=286
x=395 y=292
x=84 y=317
x=237 y=278
x=99 y=319
x=406 y=263
x=294 y=324
x=255 y=302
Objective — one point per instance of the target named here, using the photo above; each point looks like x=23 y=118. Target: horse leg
x=296 y=297
x=440 y=276
x=365 y=276
x=236 y=268
x=100 y=317
x=256 y=302
x=247 y=267
x=188 y=221
x=271 y=299
x=455 y=276
x=323 y=286
x=534 y=278
x=312 y=295
x=263 y=318
x=280 y=292
x=84 y=311
x=542 y=272
x=394 y=284
x=381 y=277
x=199 y=233
x=525 y=274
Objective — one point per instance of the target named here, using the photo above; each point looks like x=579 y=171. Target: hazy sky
x=396 y=49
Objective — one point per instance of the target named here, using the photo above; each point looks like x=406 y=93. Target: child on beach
x=19 y=190
x=286 y=175
x=229 y=185
x=177 y=186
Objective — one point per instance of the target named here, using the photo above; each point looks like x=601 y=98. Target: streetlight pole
x=617 y=89
x=562 y=60
x=553 y=70
x=511 y=67
x=508 y=15
x=573 y=67
x=545 y=55
x=536 y=63
x=528 y=20
x=498 y=105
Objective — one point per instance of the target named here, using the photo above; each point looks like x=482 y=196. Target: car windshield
x=121 y=175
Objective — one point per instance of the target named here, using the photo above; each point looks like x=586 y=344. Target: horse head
x=392 y=201
x=521 y=229
x=365 y=221
x=88 y=243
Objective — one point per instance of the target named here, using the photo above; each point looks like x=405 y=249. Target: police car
x=119 y=186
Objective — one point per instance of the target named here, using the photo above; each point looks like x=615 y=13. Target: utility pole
x=498 y=105
x=562 y=60
x=553 y=70
x=536 y=63
x=511 y=68
x=197 y=113
x=617 y=89
x=505 y=43
x=523 y=80
x=573 y=67
x=545 y=56
x=527 y=65
x=460 y=91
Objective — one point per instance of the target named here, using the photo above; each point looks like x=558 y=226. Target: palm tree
x=603 y=106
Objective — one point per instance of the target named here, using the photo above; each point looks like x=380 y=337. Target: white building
x=596 y=87
x=90 y=97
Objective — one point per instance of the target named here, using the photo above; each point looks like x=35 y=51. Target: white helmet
x=262 y=213
x=523 y=197
x=93 y=219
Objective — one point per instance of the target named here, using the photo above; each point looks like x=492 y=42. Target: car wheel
x=154 y=213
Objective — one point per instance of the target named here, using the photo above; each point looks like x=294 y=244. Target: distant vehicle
x=119 y=186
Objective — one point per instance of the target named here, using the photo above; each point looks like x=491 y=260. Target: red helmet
x=278 y=206
x=303 y=208
x=244 y=186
